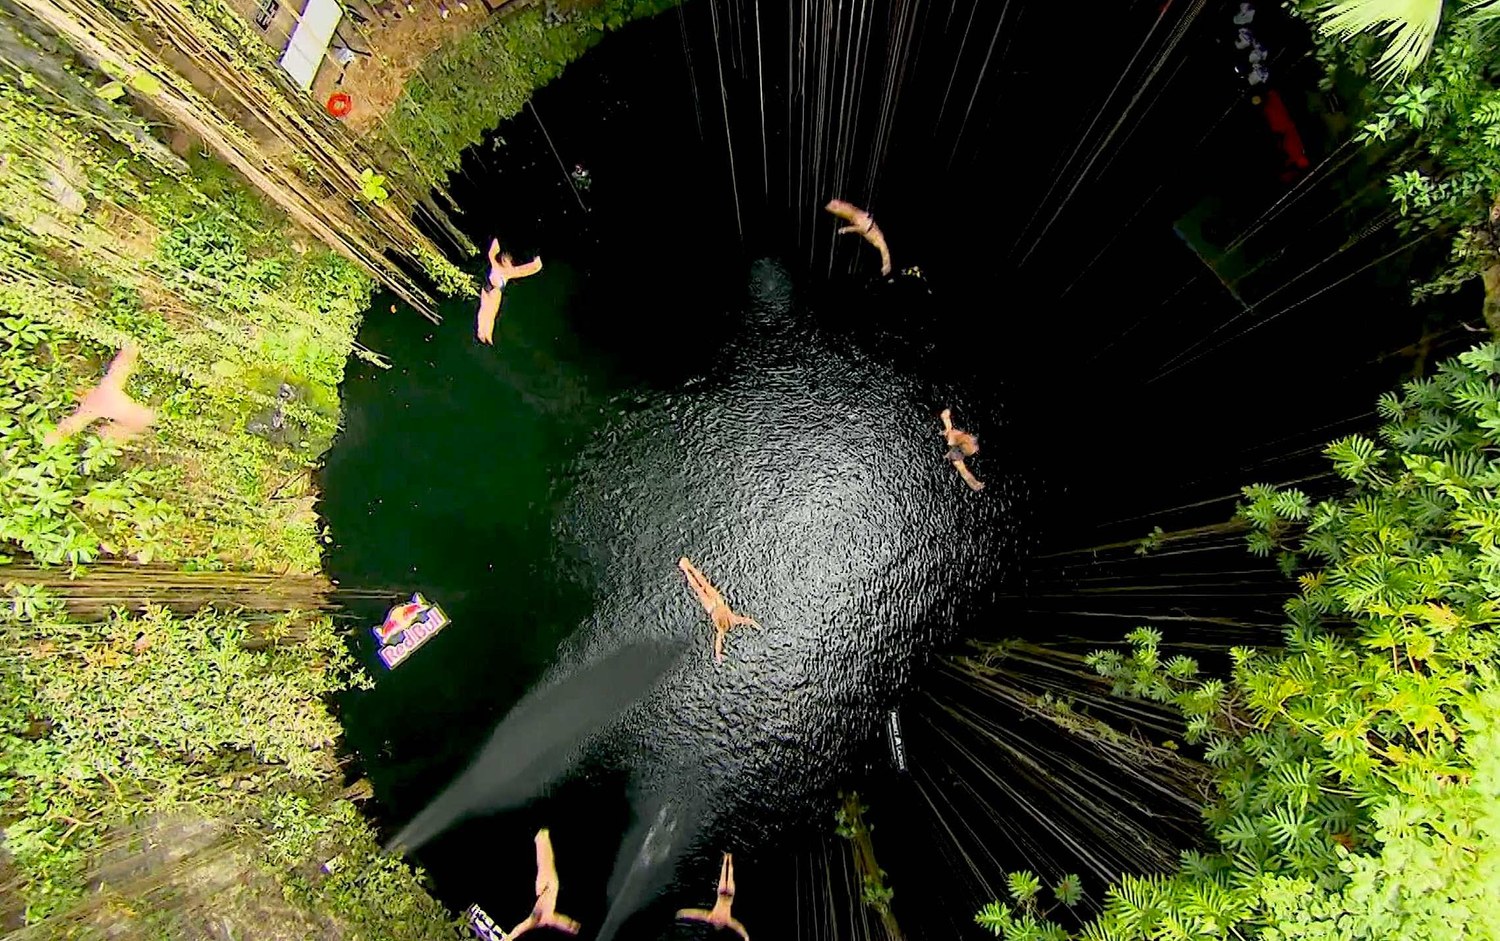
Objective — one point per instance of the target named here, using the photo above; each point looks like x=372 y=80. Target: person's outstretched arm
x=737 y=620
x=947 y=417
x=120 y=368
x=738 y=929
x=528 y=269
x=560 y=922
x=694 y=914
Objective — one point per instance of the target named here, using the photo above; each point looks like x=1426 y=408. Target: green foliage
x=107 y=245
x=485 y=76
x=1447 y=110
x=1027 y=920
x=100 y=722
x=372 y=186
x=1356 y=769
x=374 y=892
x=110 y=722
x=1410 y=25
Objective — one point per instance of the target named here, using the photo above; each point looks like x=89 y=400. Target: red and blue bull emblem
x=408 y=626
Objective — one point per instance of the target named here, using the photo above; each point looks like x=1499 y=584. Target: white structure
x=310 y=40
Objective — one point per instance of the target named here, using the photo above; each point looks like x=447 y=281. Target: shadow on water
x=536 y=743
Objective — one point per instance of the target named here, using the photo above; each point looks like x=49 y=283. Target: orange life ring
x=339 y=104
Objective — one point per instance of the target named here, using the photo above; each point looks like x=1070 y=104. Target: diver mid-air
x=863 y=224
x=719 y=916
x=109 y=400
x=713 y=602
x=544 y=914
x=961 y=445
x=502 y=271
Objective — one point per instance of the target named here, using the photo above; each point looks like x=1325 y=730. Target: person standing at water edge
x=127 y=417
x=961 y=445
x=502 y=271
x=862 y=224
x=544 y=914
x=719 y=917
x=713 y=602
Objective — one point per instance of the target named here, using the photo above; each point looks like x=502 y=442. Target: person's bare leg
x=737 y=620
x=489 y=311
x=726 y=876
x=524 y=926
x=719 y=635
x=81 y=418
x=707 y=594
x=968 y=476
x=885 y=256
x=947 y=417
x=546 y=865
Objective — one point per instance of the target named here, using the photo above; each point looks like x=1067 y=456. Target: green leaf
x=1023 y=886
x=111 y=91
x=1068 y=890
x=146 y=83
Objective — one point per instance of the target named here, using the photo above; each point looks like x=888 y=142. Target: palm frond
x=1481 y=9
x=1409 y=25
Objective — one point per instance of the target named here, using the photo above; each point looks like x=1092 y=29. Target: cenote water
x=702 y=371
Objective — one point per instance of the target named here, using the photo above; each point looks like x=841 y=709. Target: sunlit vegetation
x=1422 y=76
x=1356 y=770
x=207 y=734
x=472 y=84
x=132 y=723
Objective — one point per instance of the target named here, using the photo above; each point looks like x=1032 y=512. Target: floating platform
x=483 y=925
x=407 y=627
x=894 y=739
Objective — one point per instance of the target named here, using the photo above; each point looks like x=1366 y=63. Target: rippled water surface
x=543 y=496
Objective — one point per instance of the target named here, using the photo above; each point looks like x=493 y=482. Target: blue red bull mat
x=407 y=627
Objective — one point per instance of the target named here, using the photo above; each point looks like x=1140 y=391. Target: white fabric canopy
x=310 y=41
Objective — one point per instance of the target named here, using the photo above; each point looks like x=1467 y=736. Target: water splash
x=665 y=826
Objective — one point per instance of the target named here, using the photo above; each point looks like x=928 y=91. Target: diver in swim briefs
x=961 y=445
x=719 y=916
x=863 y=224
x=125 y=417
x=544 y=914
x=502 y=271
x=713 y=602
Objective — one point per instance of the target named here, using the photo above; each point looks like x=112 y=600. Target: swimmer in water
x=544 y=914
x=863 y=224
x=713 y=602
x=719 y=917
x=961 y=445
x=108 y=399
x=502 y=271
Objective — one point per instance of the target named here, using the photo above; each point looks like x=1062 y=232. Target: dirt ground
x=397 y=49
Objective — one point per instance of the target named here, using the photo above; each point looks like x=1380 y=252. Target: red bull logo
x=407 y=627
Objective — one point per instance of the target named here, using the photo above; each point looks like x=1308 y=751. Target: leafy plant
x=1356 y=769
x=372 y=186
x=1433 y=90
